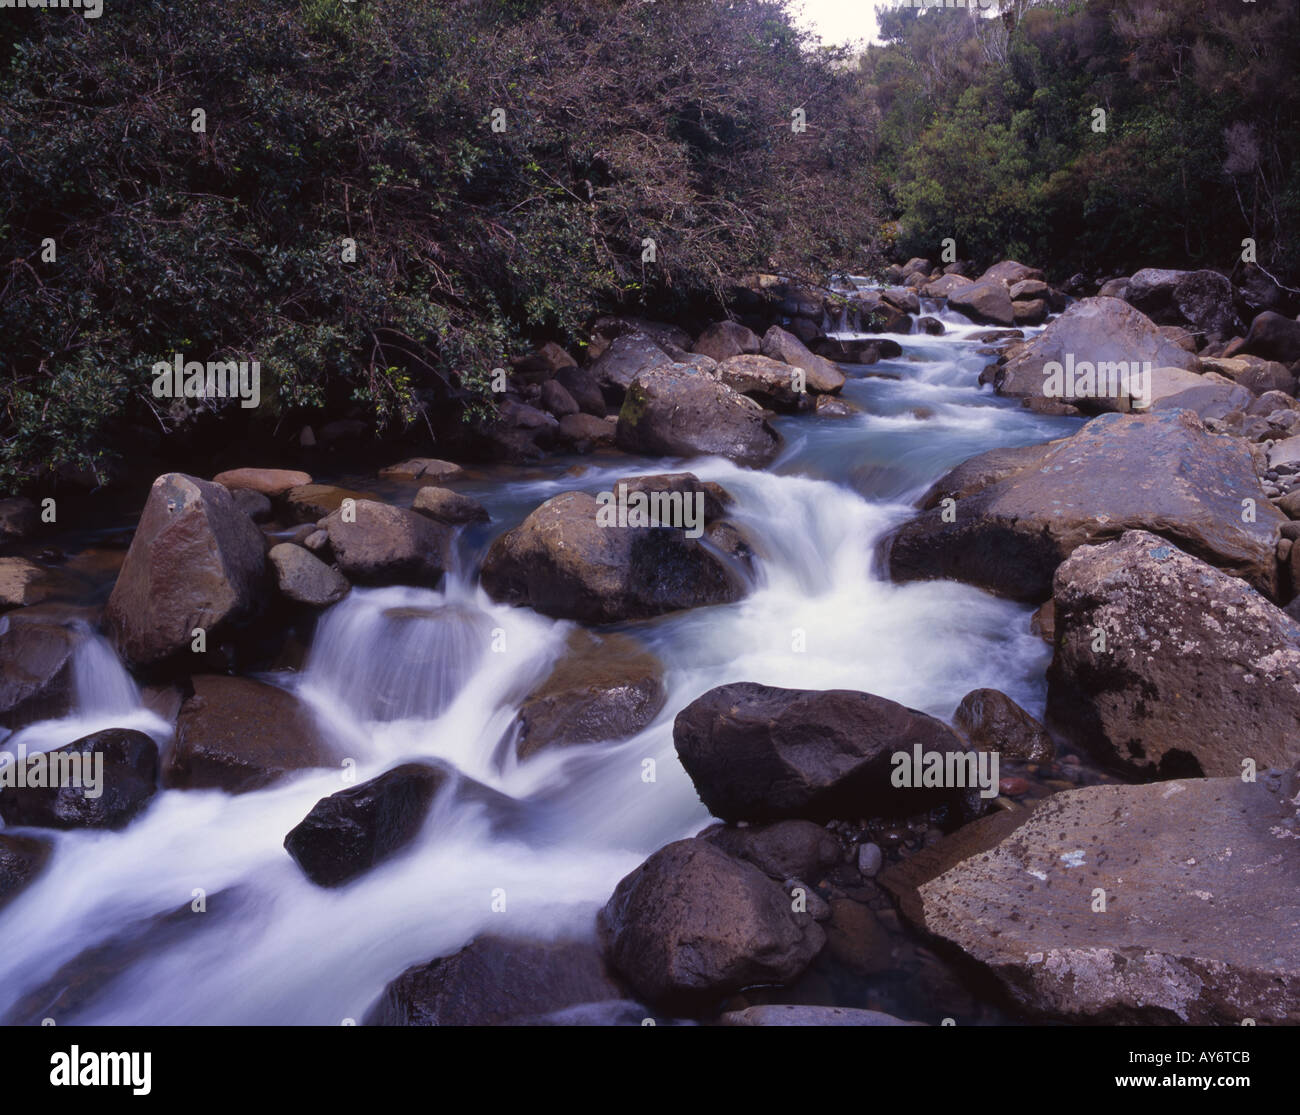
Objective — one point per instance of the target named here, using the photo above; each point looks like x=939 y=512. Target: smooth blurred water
x=396 y=674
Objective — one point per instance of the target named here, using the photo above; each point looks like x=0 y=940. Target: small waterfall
x=101 y=684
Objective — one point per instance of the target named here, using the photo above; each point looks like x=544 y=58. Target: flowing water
x=395 y=674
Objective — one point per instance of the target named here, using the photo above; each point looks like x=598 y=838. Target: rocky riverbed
x=432 y=742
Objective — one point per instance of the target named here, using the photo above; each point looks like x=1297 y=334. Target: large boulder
x=562 y=562
x=768 y=381
x=1107 y=334
x=724 y=339
x=1199 y=300
x=676 y=412
x=378 y=544
x=693 y=924
x=1158 y=472
x=820 y=375
x=495 y=980
x=1274 y=337
x=760 y=753
x=196 y=560
x=1009 y=273
x=305 y=579
x=21 y=860
x=35 y=670
x=604 y=688
x=348 y=833
x=987 y=301
x=235 y=734
x=101 y=781
x=1165 y=666
x=627 y=356
x=1199 y=879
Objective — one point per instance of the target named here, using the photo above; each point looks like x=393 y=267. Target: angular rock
x=1103 y=332
x=303 y=578
x=348 y=833
x=562 y=563
x=820 y=374
x=759 y=753
x=692 y=925
x=1201 y=918
x=606 y=688
x=1159 y=472
x=495 y=980
x=992 y=721
x=196 y=560
x=557 y=400
x=90 y=791
x=673 y=412
x=237 y=735
x=385 y=545
x=1198 y=671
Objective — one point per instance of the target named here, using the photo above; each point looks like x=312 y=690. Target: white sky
x=837 y=21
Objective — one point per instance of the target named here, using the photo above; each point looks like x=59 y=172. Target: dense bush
x=328 y=120
x=986 y=132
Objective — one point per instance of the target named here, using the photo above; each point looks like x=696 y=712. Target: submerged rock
x=495 y=980
x=605 y=688
x=348 y=833
x=21 y=860
x=235 y=734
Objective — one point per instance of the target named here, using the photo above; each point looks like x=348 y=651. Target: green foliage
x=986 y=132
x=329 y=120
